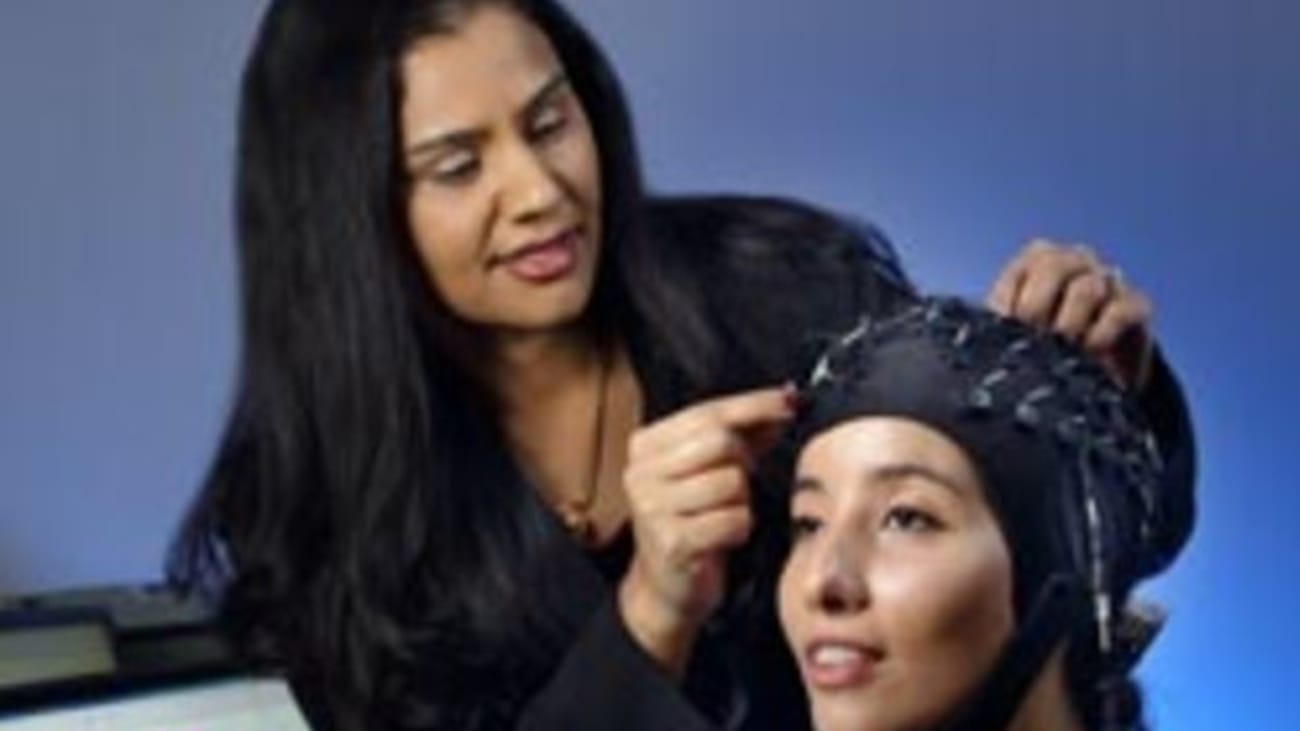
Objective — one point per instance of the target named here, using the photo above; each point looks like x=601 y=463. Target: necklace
x=576 y=514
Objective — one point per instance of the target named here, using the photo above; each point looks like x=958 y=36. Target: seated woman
x=972 y=506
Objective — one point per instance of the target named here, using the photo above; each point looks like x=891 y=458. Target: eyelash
x=456 y=174
x=901 y=517
x=910 y=520
x=803 y=526
x=548 y=125
x=464 y=173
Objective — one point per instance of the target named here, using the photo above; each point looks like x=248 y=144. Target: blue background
x=1165 y=132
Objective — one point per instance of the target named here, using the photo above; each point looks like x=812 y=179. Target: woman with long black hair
x=488 y=460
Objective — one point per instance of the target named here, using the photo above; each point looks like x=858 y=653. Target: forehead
x=874 y=449
x=493 y=56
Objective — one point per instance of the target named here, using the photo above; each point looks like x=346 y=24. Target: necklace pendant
x=580 y=526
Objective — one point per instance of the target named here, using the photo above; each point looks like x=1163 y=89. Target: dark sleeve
x=607 y=682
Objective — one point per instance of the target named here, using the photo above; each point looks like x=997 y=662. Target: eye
x=910 y=520
x=803 y=526
x=454 y=170
x=547 y=124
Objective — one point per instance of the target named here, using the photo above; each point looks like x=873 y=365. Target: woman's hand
x=1067 y=289
x=687 y=484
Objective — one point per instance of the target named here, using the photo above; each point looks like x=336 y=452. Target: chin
x=841 y=714
x=849 y=713
x=557 y=313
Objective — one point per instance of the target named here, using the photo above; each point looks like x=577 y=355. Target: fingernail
x=793 y=396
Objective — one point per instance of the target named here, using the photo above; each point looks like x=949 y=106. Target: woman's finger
x=692 y=453
x=708 y=534
x=1085 y=298
x=1131 y=310
x=721 y=487
x=741 y=413
x=1044 y=283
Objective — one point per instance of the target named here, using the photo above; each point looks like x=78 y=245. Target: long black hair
x=362 y=523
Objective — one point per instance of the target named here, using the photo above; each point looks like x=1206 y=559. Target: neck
x=1047 y=705
x=527 y=367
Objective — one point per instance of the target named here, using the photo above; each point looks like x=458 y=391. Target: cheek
x=449 y=237
x=579 y=162
x=790 y=606
x=948 y=604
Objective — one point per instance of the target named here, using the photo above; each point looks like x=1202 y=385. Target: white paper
x=232 y=705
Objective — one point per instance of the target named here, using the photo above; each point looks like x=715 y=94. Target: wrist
x=666 y=635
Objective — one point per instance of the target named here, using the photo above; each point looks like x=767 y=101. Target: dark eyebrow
x=807 y=484
x=558 y=81
x=458 y=138
x=903 y=471
x=890 y=473
x=468 y=137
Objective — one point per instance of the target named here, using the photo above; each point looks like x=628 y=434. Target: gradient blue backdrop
x=1167 y=132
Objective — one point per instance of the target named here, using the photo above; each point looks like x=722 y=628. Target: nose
x=532 y=190
x=838 y=585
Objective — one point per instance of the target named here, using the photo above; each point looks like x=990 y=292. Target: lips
x=836 y=665
x=544 y=261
